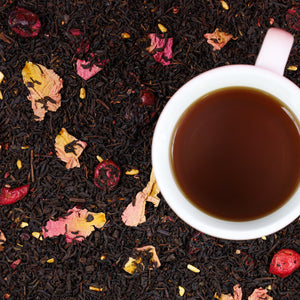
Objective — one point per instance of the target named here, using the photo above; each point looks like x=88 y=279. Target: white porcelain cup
x=265 y=75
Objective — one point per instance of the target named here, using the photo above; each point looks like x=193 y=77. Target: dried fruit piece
x=181 y=290
x=284 y=263
x=68 y=148
x=44 y=86
x=218 y=39
x=10 y=196
x=24 y=22
x=76 y=225
x=134 y=215
x=125 y=35
x=193 y=268
x=162 y=28
x=132 y=264
x=107 y=175
x=293 y=17
x=154 y=258
x=161 y=48
x=147 y=97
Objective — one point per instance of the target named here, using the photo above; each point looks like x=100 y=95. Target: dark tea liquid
x=236 y=154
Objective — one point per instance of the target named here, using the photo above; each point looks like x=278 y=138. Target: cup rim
x=242 y=75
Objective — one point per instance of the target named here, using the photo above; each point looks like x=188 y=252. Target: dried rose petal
x=24 y=22
x=68 y=148
x=161 y=48
x=2 y=238
x=134 y=215
x=44 y=86
x=237 y=294
x=86 y=70
x=147 y=97
x=76 y=225
x=15 y=263
x=284 y=263
x=260 y=294
x=293 y=18
x=107 y=175
x=218 y=39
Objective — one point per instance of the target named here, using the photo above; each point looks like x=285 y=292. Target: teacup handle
x=275 y=50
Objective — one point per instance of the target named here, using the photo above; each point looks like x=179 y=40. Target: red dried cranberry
x=107 y=175
x=293 y=18
x=24 y=22
x=147 y=97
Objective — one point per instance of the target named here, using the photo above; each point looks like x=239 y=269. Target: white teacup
x=265 y=75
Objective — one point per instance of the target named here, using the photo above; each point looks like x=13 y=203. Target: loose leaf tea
x=68 y=148
x=44 y=86
x=76 y=225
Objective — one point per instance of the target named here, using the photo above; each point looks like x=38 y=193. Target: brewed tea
x=236 y=153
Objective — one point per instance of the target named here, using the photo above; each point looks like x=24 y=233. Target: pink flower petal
x=2 y=238
x=218 y=39
x=86 y=71
x=134 y=215
x=165 y=54
x=15 y=263
x=260 y=294
x=77 y=225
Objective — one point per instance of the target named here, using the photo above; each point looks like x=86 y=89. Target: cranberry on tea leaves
x=147 y=97
x=24 y=22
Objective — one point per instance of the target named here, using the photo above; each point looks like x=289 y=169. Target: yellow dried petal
x=264 y=238
x=50 y=260
x=132 y=172
x=181 y=290
x=24 y=224
x=102 y=257
x=93 y=288
x=224 y=5
x=269 y=287
x=1 y=96
x=125 y=35
x=162 y=28
x=100 y=159
x=1 y=76
x=19 y=164
x=19 y=245
x=24 y=147
x=193 y=268
x=292 y=68
x=36 y=234
x=82 y=93
x=131 y=264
